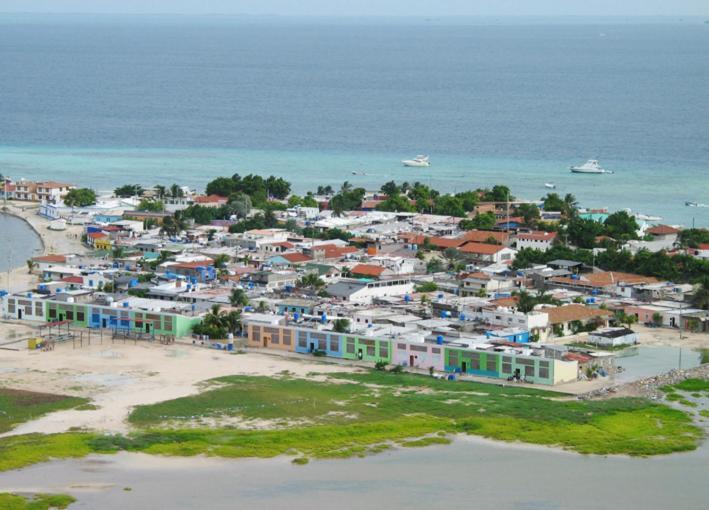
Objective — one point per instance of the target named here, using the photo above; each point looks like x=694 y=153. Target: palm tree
x=221 y=260
x=570 y=205
x=176 y=191
x=238 y=297
x=231 y=321
x=31 y=264
x=346 y=186
x=700 y=298
x=311 y=281
x=160 y=191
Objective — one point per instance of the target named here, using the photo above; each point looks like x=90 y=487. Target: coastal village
x=478 y=285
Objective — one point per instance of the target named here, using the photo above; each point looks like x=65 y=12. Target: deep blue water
x=519 y=101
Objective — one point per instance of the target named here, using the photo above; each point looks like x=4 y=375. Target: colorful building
x=486 y=360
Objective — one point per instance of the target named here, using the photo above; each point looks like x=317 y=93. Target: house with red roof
x=370 y=271
x=210 y=200
x=663 y=233
x=488 y=253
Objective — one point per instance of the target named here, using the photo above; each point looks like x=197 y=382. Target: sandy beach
x=58 y=242
x=118 y=376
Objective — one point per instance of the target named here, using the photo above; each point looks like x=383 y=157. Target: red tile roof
x=194 y=265
x=367 y=270
x=662 y=230
x=50 y=258
x=481 y=248
x=569 y=313
x=210 y=199
x=73 y=279
x=96 y=235
x=537 y=235
x=446 y=242
x=296 y=258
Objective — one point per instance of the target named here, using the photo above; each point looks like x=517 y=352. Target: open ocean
x=110 y=100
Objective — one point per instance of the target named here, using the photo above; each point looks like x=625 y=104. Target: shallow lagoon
x=471 y=473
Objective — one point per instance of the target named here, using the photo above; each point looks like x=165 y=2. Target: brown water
x=471 y=473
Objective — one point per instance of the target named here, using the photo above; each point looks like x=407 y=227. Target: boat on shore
x=590 y=167
x=419 y=161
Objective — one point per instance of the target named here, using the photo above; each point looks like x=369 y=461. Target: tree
x=434 y=265
x=396 y=203
x=176 y=191
x=151 y=205
x=498 y=193
x=311 y=281
x=553 y=202
x=160 y=191
x=657 y=318
x=468 y=199
x=128 y=190
x=390 y=189
x=221 y=260
x=341 y=325
x=583 y=233
x=262 y=307
x=621 y=225
x=700 y=298
x=172 y=226
x=222 y=186
x=324 y=190
x=31 y=264
x=482 y=221
x=238 y=297
x=80 y=197
x=530 y=214
x=277 y=187
x=240 y=204
x=427 y=287
x=449 y=205
x=309 y=201
x=693 y=237
x=570 y=206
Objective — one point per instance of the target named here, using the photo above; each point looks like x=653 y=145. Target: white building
x=363 y=292
x=536 y=240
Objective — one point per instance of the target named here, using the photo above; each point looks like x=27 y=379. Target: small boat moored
x=418 y=161
x=590 y=167
x=550 y=185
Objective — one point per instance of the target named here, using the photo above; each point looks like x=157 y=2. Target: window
x=350 y=346
x=38 y=308
x=80 y=316
x=70 y=315
x=287 y=336
x=168 y=322
x=302 y=339
x=401 y=347
x=11 y=307
x=256 y=333
x=322 y=344
x=335 y=343
x=383 y=349
x=529 y=371
x=419 y=348
x=475 y=361
x=544 y=369
x=452 y=357
x=436 y=350
x=491 y=363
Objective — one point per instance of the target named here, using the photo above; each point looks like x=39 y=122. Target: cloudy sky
x=371 y=7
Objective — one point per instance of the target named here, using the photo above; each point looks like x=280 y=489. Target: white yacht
x=418 y=161
x=550 y=185
x=590 y=167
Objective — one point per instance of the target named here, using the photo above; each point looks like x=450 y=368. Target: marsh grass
x=10 y=501
x=363 y=414
x=19 y=406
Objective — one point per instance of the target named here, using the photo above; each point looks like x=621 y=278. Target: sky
x=371 y=7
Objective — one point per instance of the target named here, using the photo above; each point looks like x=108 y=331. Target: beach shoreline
x=51 y=242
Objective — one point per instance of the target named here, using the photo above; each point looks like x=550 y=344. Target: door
x=312 y=346
x=464 y=367
x=266 y=340
x=147 y=328
x=517 y=374
x=360 y=355
x=411 y=360
x=104 y=324
x=19 y=313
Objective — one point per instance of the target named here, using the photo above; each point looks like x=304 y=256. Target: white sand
x=119 y=376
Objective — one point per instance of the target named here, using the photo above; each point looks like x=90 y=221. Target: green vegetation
x=365 y=413
x=80 y=197
x=17 y=406
x=704 y=413
x=688 y=385
x=36 y=502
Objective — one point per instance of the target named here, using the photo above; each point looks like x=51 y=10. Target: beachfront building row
x=137 y=315
x=486 y=360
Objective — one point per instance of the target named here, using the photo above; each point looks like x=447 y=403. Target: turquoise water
x=111 y=99
x=645 y=188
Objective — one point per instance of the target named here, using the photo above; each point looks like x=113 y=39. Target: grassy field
x=17 y=406
x=36 y=502
x=361 y=414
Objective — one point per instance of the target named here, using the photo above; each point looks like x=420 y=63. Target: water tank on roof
x=59 y=290
x=296 y=316
x=439 y=339
x=407 y=298
x=125 y=304
x=462 y=316
x=574 y=277
x=133 y=283
x=248 y=308
x=323 y=318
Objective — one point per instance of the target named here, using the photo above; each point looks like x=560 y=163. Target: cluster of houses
x=408 y=289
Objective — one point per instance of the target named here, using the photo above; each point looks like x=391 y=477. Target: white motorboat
x=590 y=167
x=550 y=185
x=418 y=161
x=647 y=217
